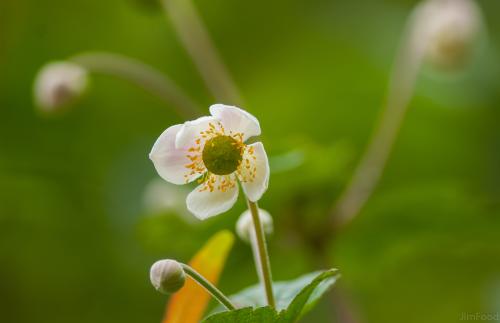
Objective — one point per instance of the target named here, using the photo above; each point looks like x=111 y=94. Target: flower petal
x=204 y=204
x=170 y=162
x=236 y=120
x=191 y=131
x=254 y=172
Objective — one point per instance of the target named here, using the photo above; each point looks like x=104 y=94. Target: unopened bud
x=245 y=227
x=447 y=31
x=167 y=276
x=59 y=84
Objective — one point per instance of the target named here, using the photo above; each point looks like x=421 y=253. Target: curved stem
x=199 y=45
x=372 y=163
x=264 y=262
x=214 y=291
x=142 y=75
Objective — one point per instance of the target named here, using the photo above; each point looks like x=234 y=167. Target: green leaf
x=285 y=291
x=309 y=296
x=293 y=299
x=245 y=315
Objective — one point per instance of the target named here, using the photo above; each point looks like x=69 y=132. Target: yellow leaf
x=189 y=304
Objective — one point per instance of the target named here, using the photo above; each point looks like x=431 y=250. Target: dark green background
x=76 y=242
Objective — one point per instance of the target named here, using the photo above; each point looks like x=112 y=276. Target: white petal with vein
x=256 y=187
x=190 y=131
x=169 y=161
x=236 y=120
x=205 y=204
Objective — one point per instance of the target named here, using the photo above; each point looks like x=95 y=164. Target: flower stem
x=214 y=291
x=199 y=45
x=142 y=75
x=256 y=256
x=265 y=272
x=371 y=166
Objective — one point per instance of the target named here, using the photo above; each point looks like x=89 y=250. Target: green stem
x=142 y=75
x=262 y=253
x=214 y=291
x=372 y=164
x=199 y=45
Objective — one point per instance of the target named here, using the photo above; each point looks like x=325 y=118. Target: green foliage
x=245 y=315
x=294 y=298
x=308 y=296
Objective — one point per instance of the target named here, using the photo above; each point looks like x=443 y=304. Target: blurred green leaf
x=309 y=295
x=287 y=161
x=245 y=315
x=294 y=298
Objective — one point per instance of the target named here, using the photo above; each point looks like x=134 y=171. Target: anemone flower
x=213 y=150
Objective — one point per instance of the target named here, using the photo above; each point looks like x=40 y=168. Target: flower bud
x=167 y=276
x=447 y=31
x=59 y=84
x=245 y=227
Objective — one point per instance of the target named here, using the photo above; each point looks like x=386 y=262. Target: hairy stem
x=372 y=163
x=199 y=45
x=214 y=291
x=142 y=75
x=265 y=270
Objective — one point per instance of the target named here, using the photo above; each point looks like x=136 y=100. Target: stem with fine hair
x=210 y=288
x=265 y=264
x=199 y=45
x=142 y=75
x=369 y=170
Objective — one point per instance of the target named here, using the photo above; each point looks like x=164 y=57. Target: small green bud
x=222 y=155
x=245 y=227
x=167 y=276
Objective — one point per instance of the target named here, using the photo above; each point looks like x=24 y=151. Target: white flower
x=59 y=84
x=245 y=228
x=212 y=149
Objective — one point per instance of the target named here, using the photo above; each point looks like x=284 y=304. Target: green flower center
x=222 y=155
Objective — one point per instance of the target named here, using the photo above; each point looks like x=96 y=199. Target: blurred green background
x=77 y=240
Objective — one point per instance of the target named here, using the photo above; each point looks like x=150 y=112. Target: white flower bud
x=167 y=276
x=58 y=84
x=245 y=227
x=447 y=31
